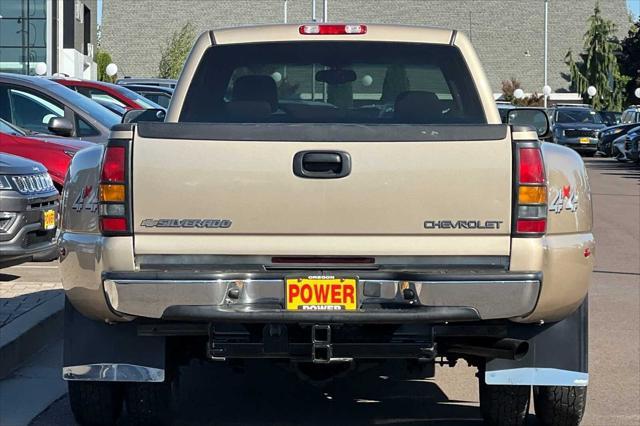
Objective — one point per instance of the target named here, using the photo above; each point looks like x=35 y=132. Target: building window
x=23 y=35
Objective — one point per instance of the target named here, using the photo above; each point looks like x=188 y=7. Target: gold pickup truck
x=327 y=195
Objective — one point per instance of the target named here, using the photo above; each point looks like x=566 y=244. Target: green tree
x=103 y=59
x=598 y=65
x=630 y=62
x=508 y=87
x=175 y=52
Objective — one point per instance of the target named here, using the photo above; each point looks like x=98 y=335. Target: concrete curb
x=30 y=332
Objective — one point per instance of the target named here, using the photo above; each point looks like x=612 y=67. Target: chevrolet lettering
x=462 y=224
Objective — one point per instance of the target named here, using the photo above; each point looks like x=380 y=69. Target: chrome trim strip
x=121 y=134
x=113 y=373
x=536 y=376
x=261 y=263
x=150 y=298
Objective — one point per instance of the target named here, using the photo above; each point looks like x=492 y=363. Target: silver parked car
x=44 y=106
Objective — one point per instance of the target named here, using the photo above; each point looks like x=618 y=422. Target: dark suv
x=28 y=211
x=577 y=127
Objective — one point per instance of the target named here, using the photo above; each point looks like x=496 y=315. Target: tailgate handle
x=322 y=164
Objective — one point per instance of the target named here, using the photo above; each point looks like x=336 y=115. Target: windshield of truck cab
x=578 y=116
x=333 y=82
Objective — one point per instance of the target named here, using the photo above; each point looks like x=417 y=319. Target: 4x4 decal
x=86 y=200
x=565 y=199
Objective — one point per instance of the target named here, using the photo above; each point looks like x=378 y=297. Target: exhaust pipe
x=513 y=349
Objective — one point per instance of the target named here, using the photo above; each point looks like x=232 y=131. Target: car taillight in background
x=531 y=191
x=114 y=194
x=332 y=29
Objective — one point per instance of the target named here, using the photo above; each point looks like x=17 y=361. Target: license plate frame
x=321 y=290
x=49 y=220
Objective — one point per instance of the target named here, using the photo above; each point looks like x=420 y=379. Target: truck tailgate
x=460 y=188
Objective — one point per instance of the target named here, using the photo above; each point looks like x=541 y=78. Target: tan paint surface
x=392 y=189
x=81 y=270
x=565 y=168
x=566 y=272
x=290 y=32
x=356 y=245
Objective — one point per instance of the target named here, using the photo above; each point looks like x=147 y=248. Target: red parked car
x=108 y=92
x=55 y=153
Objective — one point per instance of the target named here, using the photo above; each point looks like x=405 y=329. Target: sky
x=634 y=6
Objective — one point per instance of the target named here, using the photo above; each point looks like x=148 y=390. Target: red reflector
x=113 y=167
x=113 y=224
x=332 y=29
x=531 y=167
x=537 y=226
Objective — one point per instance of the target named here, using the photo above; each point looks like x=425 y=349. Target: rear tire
x=95 y=403
x=559 y=405
x=504 y=405
x=149 y=403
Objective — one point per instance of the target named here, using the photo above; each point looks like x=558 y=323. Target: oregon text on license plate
x=321 y=293
x=49 y=219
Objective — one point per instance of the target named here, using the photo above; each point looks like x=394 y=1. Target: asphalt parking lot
x=263 y=394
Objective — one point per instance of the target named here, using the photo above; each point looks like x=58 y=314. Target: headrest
x=417 y=106
x=247 y=111
x=256 y=88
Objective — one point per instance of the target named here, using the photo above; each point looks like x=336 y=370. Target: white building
x=60 y=33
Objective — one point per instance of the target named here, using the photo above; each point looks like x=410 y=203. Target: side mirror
x=138 y=115
x=530 y=117
x=60 y=126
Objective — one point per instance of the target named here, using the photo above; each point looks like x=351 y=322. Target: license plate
x=584 y=140
x=321 y=293
x=49 y=219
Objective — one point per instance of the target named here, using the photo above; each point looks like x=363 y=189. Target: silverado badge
x=186 y=223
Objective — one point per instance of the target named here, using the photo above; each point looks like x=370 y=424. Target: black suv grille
x=575 y=133
x=33 y=184
x=37 y=237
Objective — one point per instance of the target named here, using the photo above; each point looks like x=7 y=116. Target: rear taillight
x=332 y=29
x=113 y=200
x=530 y=210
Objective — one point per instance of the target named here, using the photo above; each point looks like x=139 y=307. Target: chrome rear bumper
x=380 y=300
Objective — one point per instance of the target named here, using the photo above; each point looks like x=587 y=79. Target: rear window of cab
x=333 y=82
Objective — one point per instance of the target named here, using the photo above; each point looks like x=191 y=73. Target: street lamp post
x=546 y=47
x=285 y=11
x=546 y=91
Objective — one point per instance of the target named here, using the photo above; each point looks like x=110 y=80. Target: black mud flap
x=96 y=351
x=557 y=354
